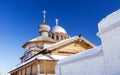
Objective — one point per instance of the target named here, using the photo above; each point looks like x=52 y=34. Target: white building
x=101 y=60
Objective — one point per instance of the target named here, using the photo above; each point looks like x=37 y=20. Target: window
x=52 y=37
x=57 y=37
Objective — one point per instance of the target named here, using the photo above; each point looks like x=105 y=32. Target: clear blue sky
x=19 y=20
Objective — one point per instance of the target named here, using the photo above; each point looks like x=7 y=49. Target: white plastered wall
x=90 y=62
x=91 y=66
x=109 y=32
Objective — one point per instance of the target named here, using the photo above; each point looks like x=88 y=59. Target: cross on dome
x=56 y=22
x=44 y=28
x=44 y=16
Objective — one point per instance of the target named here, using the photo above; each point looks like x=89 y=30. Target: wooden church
x=42 y=53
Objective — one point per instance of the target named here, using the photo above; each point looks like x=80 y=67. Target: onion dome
x=44 y=27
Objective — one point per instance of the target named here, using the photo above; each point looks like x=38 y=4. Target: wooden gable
x=72 y=48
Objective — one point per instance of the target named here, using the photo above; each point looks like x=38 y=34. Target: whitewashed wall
x=103 y=60
x=91 y=66
x=90 y=62
x=109 y=32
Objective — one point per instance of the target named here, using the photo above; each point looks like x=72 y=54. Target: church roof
x=62 y=43
x=66 y=41
x=46 y=56
x=40 y=38
x=40 y=57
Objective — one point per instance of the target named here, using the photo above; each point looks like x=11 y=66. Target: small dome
x=58 y=33
x=44 y=28
x=58 y=29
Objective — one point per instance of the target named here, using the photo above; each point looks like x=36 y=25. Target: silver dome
x=58 y=29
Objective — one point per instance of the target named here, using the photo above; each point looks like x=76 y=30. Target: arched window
x=62 y=37
x=57 y=37
x=52 y=37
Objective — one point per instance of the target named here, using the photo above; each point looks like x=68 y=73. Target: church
x=43 y=52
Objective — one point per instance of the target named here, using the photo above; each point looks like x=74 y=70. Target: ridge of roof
x=83 y=38
x=63 y=42
x=40 y=38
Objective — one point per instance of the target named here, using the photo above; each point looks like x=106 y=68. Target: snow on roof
x=55 y=57
x=40 y=38
x=81 y=55
x=21 y=64
x=63 y=42
x=109 y=22
x=41 y=57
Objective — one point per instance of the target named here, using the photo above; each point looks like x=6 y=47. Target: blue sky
x=19 y=21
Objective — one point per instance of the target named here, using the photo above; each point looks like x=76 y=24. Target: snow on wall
x=82 y=64
x=97 y=61
x=111 y=43
x=109 y=20
x=92 y=66
x=111 y=49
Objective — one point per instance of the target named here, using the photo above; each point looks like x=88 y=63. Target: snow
x=61 y=43
x=110 y=22
x=56 y=57
x=81 y=55
x=21 y=64
x=41 y=38
x=41 y=57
